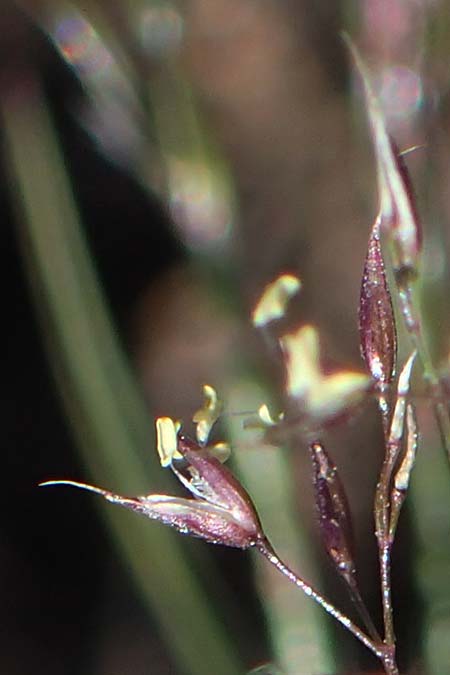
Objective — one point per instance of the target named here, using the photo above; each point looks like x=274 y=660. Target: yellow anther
x=206 y=417
x=265 y=416
x=263 y=419
x=220 y=451
x=302 y=352
x=166 y=440
x=273 y=302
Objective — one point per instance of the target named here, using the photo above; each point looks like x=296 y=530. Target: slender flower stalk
x=382 y=508
x=383 y=651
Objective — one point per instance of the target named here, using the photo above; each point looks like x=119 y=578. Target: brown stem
x=363 y=612
x=382 y=509
x=384 y=407
x=384 y=652
x=389 y=663
x=382 y=518
x=397 y=499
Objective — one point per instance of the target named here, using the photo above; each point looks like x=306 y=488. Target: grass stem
x=383 y=651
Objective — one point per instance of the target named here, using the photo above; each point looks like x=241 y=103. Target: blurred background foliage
x=161 y=162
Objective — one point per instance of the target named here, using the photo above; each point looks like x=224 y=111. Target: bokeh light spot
x=199 y=204
x=401 y=92
x=161 y=30
x=80 y=45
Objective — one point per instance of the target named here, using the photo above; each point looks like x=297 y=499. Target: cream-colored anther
x=272 y=304
x=302 y=353
x=206 y=417
x=220 y=451
x=403 y=475
x=397 y=423
x=166 y=440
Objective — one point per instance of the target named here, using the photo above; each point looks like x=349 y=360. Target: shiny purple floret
x=333 y=512
x=377 y=329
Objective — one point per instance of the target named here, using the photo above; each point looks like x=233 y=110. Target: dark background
x=274 y=89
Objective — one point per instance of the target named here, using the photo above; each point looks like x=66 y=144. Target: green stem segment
x=411 y=316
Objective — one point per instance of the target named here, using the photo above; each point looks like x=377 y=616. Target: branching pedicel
x=220 y=511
